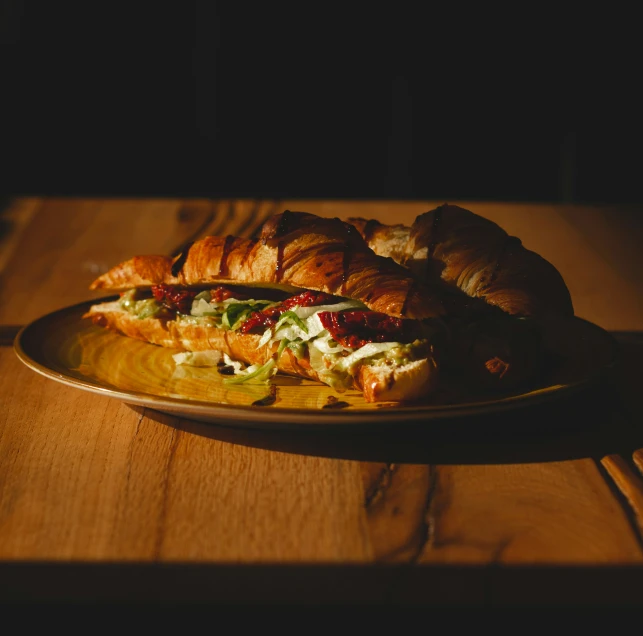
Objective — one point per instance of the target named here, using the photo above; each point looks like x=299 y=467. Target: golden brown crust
x=476 y=255
x=295 y=249
x=413 y=382
x=139 y=271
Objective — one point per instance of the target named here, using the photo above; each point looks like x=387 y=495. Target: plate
x=66 y=348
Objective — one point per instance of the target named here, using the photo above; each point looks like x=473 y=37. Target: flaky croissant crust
x=476 y=255
x=295 y=249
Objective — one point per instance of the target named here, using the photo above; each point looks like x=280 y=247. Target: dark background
x=318 y=100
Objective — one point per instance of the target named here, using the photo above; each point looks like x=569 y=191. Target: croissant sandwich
x=387 y=310
x=476 y=256
x=308 y=298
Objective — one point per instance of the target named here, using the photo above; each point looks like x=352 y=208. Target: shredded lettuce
x=265 y=338
x=127 y=300
x=146 y=308
x=227 y=314
x=307 y=325
x=369 y=350
x=325 y=343
x=235 y=314
x=282 y=345
x=299 y=348
x=254 y=374
x=292 y=318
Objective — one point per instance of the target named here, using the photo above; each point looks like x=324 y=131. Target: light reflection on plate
x=65 y=348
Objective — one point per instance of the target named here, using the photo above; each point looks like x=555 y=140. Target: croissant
x=308 y=298
x=294 y=250
x=475 y=255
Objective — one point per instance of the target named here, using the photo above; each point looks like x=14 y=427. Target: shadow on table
x=603 y=420
x=571 y=431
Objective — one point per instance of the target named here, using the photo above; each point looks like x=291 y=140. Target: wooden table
x=104 y=503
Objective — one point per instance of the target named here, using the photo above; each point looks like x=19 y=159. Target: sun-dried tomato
x=259 y=321
x=174 y=297
x=221 y=293
x=180 y=299
x=308 y=299
x=354 y=329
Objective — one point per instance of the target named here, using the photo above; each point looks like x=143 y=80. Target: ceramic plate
x=69 y=349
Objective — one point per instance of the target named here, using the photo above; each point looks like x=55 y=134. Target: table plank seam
x=627 y=489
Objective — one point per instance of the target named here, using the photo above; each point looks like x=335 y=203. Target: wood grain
x=628 y=482
x=396 y=499
x=85 y=477
x=69 y=242
x=557 y=512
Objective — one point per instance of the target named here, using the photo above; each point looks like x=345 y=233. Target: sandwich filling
x=332 y=335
